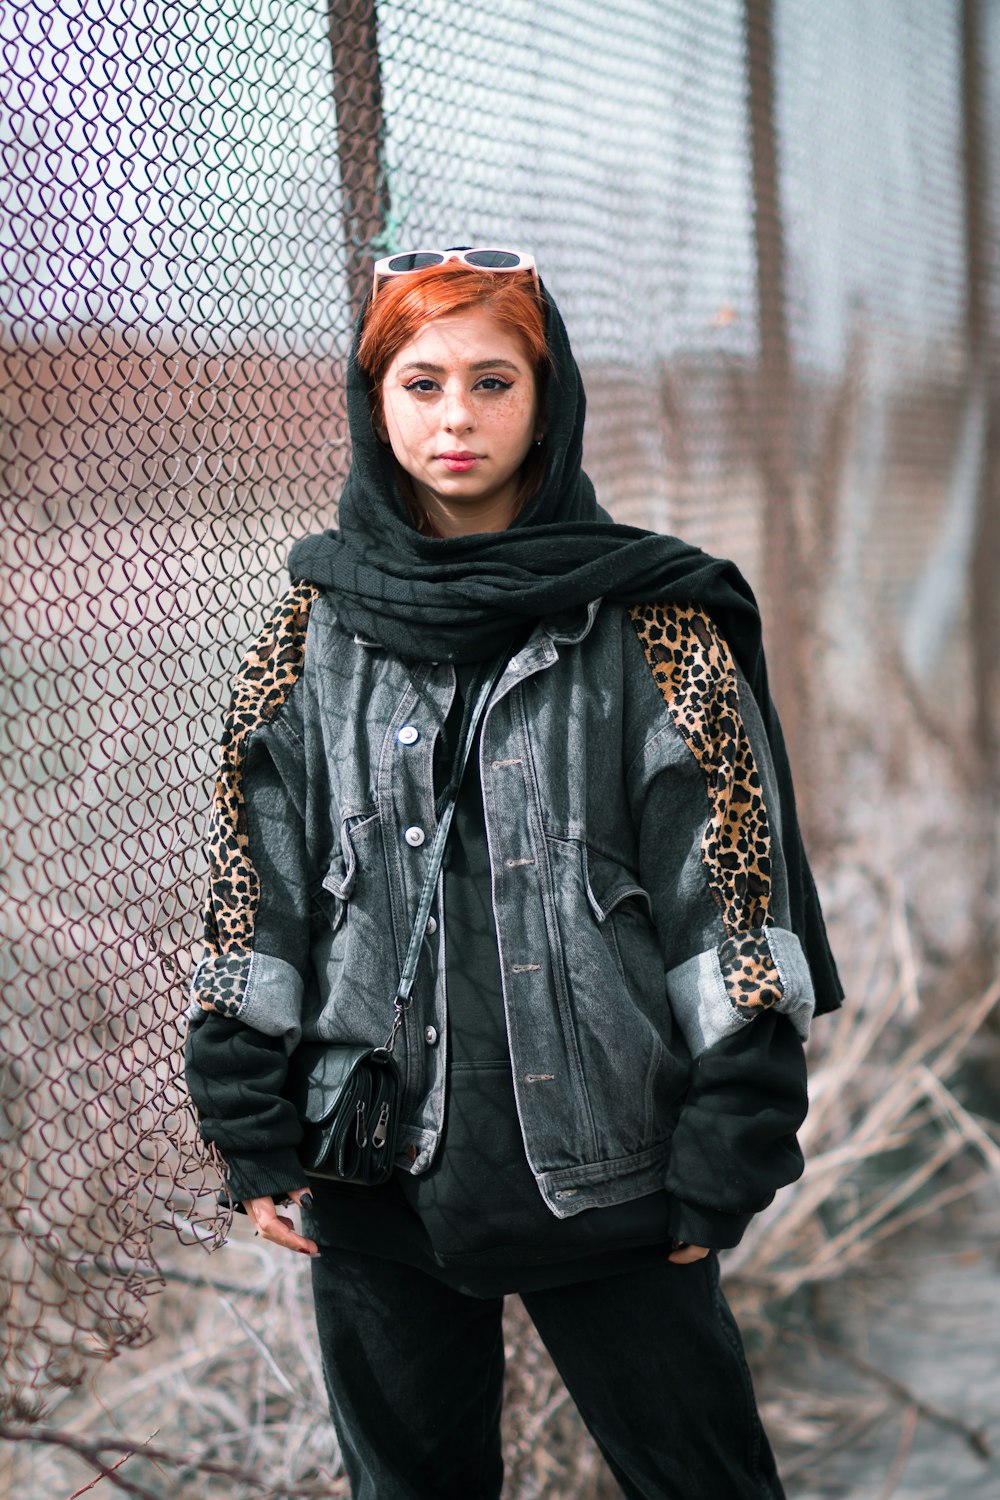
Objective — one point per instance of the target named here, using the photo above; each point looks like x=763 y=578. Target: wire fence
x=772 y=231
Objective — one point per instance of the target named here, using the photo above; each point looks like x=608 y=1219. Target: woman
x=603 y=1067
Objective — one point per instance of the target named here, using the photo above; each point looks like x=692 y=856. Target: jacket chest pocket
x=622 y=907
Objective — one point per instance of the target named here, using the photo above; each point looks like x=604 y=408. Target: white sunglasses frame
x=383 y=269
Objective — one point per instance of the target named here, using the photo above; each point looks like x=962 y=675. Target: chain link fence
x=772 y=232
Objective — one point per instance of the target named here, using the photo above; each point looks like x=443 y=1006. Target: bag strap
x=475 y=707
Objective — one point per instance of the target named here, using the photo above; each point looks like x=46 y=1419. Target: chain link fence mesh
x=771 y=230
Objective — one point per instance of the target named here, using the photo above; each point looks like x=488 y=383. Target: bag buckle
x=400 y=1006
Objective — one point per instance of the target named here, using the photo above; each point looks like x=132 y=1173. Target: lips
x=459 y=462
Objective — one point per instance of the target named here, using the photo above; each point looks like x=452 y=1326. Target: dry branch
x=90 y=1453
x=858 y=1119
x=973 y=1436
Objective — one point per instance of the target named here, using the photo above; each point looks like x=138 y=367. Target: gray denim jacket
x=638 y=882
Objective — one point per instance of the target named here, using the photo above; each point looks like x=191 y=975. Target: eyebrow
x=481 y=364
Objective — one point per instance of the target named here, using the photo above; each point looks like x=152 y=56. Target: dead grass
x=232 y=1379
x=883 y=1139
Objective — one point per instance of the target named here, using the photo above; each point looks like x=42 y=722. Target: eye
x=494 y=383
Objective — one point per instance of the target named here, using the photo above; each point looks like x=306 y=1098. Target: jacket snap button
x=432 y=926
x=414 y=836
x=430 y=1035
x=408 y=734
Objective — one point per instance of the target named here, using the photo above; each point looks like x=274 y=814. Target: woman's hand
x=686 y=1254
x=270 y=1225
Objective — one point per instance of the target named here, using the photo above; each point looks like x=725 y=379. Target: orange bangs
x=405 y=303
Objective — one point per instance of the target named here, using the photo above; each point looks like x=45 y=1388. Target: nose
x=458 y=412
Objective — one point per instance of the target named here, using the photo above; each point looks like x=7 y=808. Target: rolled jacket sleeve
x=739 y=987
x=257 y=910
x=247 y=989
x=710 y=836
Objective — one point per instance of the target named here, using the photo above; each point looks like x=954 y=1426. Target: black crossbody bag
x=348 y=1096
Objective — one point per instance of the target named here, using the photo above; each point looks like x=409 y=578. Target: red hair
x=405 y=303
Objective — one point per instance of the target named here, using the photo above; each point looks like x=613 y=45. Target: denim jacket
x=637 y=881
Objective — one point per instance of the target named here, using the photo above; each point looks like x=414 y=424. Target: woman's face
x=459 y=410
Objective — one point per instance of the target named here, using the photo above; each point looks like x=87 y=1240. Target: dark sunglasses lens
x=416 y=261
x=493 y=260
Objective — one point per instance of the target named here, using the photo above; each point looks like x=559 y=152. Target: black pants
x=652 y=1358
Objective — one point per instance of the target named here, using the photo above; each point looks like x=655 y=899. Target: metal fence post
x=357 y=92
x=774 y=407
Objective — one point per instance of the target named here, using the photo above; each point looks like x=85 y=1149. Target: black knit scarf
x=467 y=598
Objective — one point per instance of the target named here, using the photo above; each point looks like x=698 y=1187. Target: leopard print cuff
x=719 y=991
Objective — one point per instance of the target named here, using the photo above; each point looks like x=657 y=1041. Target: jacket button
x=432 y=926
x=408 y=734
x=414 y=836
x=430 y=1035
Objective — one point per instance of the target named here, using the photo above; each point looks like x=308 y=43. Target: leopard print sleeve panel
x=694 y=671
x=261 y=687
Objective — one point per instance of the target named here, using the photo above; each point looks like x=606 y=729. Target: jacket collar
x=564 y=629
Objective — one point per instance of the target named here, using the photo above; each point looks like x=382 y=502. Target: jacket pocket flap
x=339 y=878
x=609 y=884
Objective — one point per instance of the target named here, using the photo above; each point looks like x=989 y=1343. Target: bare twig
x=114 y=1467
x=261 y=1347
x=845 y=1437
x=973 y=1436
x=909 y=1428
x=90 y=1453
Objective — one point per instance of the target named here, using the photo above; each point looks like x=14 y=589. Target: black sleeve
x=735 y=1143
x=235 y=1076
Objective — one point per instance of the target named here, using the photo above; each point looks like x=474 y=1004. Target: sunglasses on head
x=480 y=257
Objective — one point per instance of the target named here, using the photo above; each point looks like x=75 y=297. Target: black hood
x=372 y=507
x=464 y=598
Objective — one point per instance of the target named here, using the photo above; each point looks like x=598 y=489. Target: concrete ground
x=903 y=1413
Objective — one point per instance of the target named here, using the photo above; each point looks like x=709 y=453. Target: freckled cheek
x=513 y=416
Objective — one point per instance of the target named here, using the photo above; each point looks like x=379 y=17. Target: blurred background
x=771 y=227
